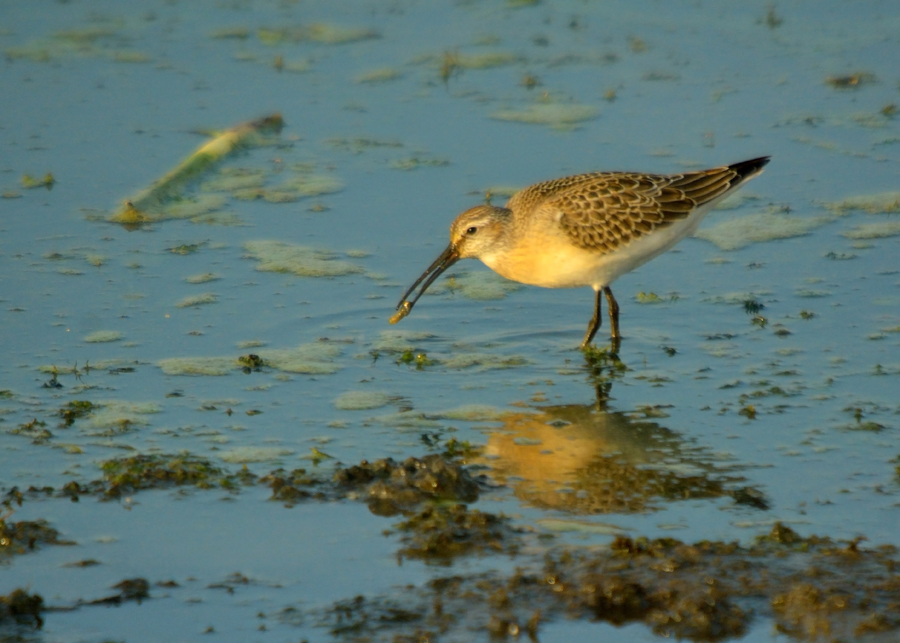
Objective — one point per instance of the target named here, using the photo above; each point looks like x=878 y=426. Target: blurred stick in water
x=148 y=204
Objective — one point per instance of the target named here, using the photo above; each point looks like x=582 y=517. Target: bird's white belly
x=638 y=252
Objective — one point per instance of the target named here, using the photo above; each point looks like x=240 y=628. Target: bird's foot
x=592 y=352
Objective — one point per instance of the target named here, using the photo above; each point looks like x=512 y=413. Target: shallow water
x=115 y=101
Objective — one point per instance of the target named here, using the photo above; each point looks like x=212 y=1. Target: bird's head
x=479 y=231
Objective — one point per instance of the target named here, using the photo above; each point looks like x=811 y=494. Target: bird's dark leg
x=613 y=311
x=613 y=317
x=595 y=322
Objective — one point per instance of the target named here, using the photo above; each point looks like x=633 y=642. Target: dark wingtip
x=746 y=169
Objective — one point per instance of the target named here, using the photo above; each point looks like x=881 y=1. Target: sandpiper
x=585 y=230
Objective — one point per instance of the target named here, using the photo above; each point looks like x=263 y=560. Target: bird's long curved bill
x=447 y=258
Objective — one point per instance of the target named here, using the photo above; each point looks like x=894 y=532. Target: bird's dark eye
x=472 y=230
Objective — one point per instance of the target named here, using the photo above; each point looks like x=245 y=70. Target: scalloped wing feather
x=604 y=211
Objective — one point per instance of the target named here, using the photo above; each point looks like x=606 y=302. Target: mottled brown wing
x=539 y=192
x=605 y=211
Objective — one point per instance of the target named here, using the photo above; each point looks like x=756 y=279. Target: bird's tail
x=748 y=169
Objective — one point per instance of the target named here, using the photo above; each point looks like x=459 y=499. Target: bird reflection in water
x=589 y=460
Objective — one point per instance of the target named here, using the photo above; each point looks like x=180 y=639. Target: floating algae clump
x=126 y=475
x=442 y=532
x=400 y=341
x=392 y=487
x=74 y=410
x=486 y=60
x=310 y=359
x=472 y=413
x=880 y=203
x=192 y=207
x=85 y=42
x=556 y=115
x=415 y=162
x=332 y=34
x=290 y=190
x=313 y=184
x=803 y=588
x=198 y=300
x=22 y=607
x=322 y=32
x=117 y=416
x=276 y=256
x=874 y=230
x=243 y=455
x=484 y=361
x=234 y=178
x=379 y=75
x=102 y=336
x=407 y=420
x=764 y=226
x=287 y=487
x=21 y=537
x=452 y=63
x=202 y=278
x=198 y=365
x=481 y=286
x=361 y=400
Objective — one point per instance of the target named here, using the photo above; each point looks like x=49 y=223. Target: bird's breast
x=548 y=262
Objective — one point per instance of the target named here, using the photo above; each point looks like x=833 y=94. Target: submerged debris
x=36 y=430
x=393 y=487
x=813 y=588
x=122 y=476
x=130 y=589
x=29 y=182
x=753 y=306
x=23 y=608
x=251 y=363
x=18 y=538
x=419 y=360
x=389 y=487
x=773 y=19
x=442 y=532
x=150 y=204
x=74 y=410
x=286 y=486
x=851 y=81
